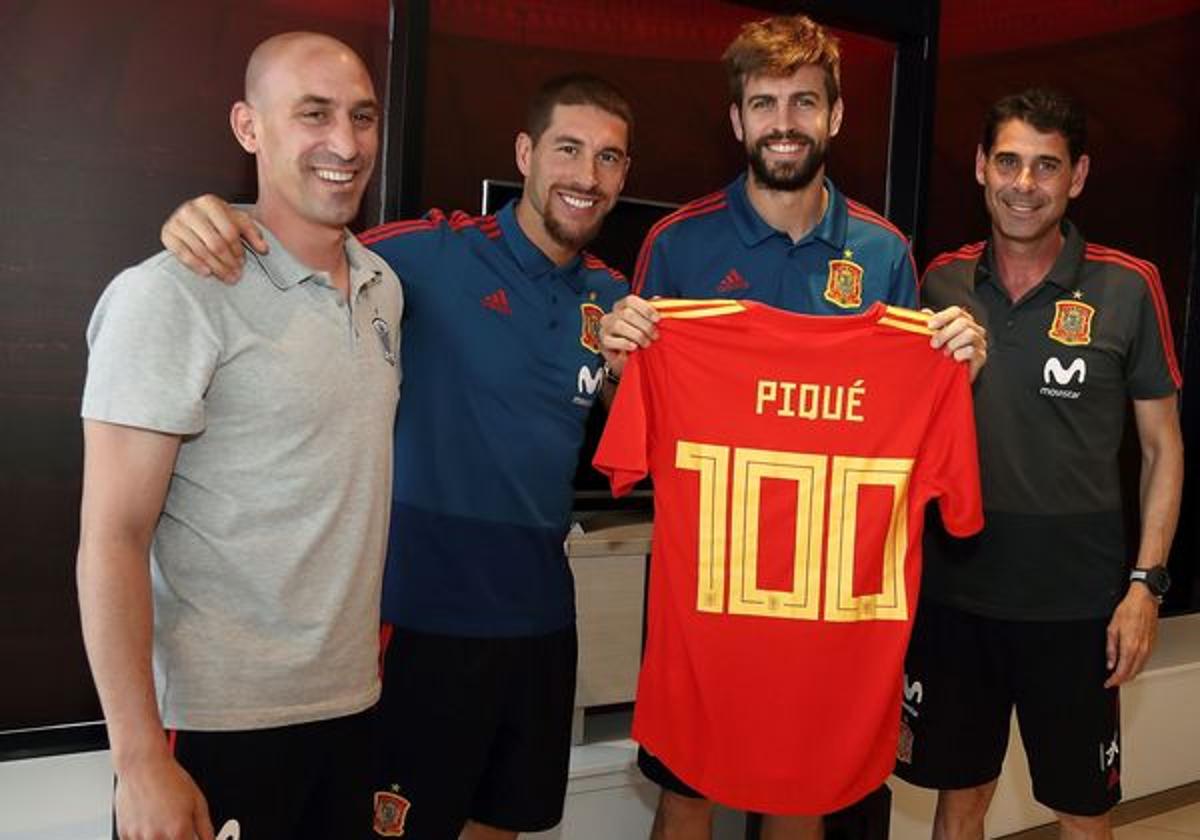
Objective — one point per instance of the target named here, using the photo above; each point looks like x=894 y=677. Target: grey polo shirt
x=1050 y=408
x=268 y=556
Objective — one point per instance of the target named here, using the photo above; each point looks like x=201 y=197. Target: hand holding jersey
x=792 y=457
x=632 y=324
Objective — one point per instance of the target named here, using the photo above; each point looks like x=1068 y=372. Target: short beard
x=574 y=240
x=787 y=177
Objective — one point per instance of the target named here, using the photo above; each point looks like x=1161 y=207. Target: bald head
x=281 y=55
x=310 y=117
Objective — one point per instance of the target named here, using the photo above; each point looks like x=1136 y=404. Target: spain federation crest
x=1072 y=323
x=589 y=326
x=391 y=810
x=843 y=287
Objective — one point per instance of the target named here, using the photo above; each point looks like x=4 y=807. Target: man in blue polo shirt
x=782 y=234
x=502 y=367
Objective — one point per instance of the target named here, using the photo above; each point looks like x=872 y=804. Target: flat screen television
x=617 y=244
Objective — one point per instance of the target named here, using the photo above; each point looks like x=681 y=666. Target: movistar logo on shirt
x=588 y=383
x=1055 y=373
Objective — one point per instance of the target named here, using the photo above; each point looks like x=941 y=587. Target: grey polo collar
x=282 y=269
x=285 y=271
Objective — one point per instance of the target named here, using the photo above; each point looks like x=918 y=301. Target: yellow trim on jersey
x=683 y=308
x=909 y=320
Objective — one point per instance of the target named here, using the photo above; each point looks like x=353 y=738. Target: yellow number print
x=850 y=474
x=712 y=462
x=750 y=467
x=846 y=476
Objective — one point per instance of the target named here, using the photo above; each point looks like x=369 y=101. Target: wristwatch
x=611 y=376
x=1156 y=579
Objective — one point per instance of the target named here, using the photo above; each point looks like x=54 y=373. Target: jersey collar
x=533 y=262
x=753 y=230
x=1065 y=273
x=282 y=269
x=286 y=272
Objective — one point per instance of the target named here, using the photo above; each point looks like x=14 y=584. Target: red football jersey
x=792 y=458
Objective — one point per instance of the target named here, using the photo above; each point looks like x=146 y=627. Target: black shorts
x=474 y=729
x=964 y=674
x=662 y=775
x=309 y=781
x=866 y=818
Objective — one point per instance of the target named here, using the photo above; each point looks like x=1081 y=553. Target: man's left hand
x=957 y=334
x=1131 y=635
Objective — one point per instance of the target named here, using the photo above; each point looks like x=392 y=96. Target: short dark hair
x=1045 y=109
x=576 y=89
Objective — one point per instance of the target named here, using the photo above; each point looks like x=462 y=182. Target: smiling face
x=1027 y=181
x=785 y=123
x=573 y=174
x=311 y=120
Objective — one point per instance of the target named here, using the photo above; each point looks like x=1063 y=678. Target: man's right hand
x=206 y=234
x=630 y=325
x=158 y=800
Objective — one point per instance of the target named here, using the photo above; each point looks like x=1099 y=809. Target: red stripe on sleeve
x=966 y=252
x=1149 y=273
x=707 y=204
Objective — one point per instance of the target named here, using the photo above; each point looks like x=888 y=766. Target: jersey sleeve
x=152 y=352
x=650 y=278
x=623 y=453
x=1151 y=369
x=412 y=248
x=950 y=456
x=904 y=279
x=936 y=290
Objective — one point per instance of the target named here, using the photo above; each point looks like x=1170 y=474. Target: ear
x=835 y=118
x=980 y=165
x=244 y=122
x=735 y=119
x=524 y=152
x=1079 y=173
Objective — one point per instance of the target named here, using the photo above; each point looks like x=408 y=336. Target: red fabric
x=786 y=699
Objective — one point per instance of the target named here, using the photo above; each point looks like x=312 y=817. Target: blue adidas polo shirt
x=501 y=368
x=719 y=247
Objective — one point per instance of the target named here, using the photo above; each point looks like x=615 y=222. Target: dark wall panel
x=486 y=60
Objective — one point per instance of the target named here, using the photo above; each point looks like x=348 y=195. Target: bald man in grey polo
x=267 y=559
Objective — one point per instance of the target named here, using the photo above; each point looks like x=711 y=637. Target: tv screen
x=617 y=244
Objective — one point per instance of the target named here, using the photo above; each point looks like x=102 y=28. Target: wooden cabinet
x=609 y=562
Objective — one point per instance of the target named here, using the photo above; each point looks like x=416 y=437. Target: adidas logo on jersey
x=498 y=301
x=732 y=282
